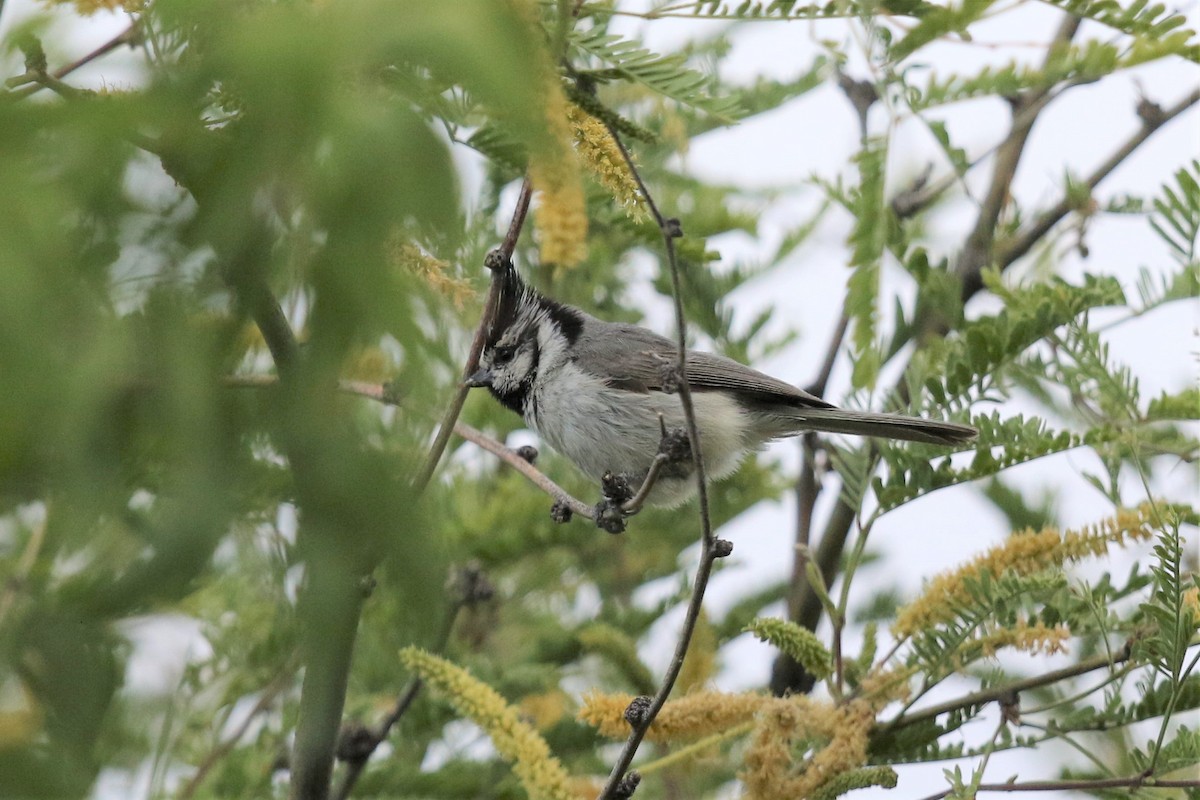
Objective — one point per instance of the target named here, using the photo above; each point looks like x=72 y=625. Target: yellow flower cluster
x=561 y=213
x=1023 y=636
x=1191 y=603
x=1023 y=553
x=599 y=153
x=691 y=717
x=882 y=686
x=544 y=709
x=769 y=773
x=433 y=271
x=540 y=773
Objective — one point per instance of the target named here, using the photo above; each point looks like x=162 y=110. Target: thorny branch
x=621 y=782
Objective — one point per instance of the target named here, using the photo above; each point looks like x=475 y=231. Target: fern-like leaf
x=668 y=75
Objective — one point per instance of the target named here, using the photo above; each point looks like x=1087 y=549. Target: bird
x=600 y=393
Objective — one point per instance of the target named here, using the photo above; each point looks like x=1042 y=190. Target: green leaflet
x=668 y=75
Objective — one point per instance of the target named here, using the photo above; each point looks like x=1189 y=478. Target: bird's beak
x=482 y=377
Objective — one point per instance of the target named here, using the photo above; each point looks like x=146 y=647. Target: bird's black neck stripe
x=520 y=398
x=566 y=319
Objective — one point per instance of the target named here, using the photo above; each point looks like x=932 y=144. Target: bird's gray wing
x=638 y=360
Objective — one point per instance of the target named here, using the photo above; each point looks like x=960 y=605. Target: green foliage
x=1139 y=19
x=1177 y=215
x=665 y=75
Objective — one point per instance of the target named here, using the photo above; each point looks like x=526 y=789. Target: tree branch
x=522 y=465
x=807 y=609
x=1085 y=784
x=1007 y=690
x=468 y=586
x=383 y=394
x=128 y=36
x=641 y=713
x=497 y=261
x=1012 y=250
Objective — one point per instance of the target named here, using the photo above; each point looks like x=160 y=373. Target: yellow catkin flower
x=544 y=709
x=1028 y=638
x=433 y=271
x=1191 y=603
x=798 y=642
x=857 y=779
x=882 y=686
x=586 y=788
x=561 y=214
x=1023 y=553
x=769 y=773
x=540 y=773
x=691 y=717
x=599 y=153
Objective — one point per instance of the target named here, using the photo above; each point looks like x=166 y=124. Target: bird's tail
x=865 y=423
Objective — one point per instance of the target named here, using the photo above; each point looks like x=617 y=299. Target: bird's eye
x=504 y=353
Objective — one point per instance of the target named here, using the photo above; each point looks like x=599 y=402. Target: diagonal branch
x=1010 y=251
x=128 y=36
x=498 y=260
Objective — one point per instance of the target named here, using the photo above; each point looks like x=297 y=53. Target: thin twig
x=378 y=735
x=635 y=503
x=127 y=36
x=808 y=490
x=522 y=465
x=225 y=747
x=640 y=714
x=1002 y=691
x=1085 y=784
x=979 y=249
x=1014 y=249
x=16 y=582
x=505 y=252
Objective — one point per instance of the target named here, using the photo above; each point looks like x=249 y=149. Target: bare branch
x=522 y=465
x=999 y=692
x=1012 y=250
x=1084 y=784
x=621 y=782
x=498 y=260
x=468 y=586
x=128 y=36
